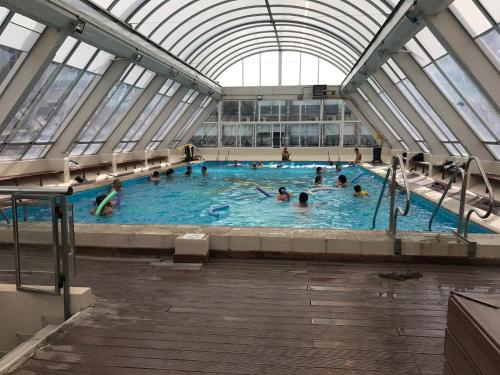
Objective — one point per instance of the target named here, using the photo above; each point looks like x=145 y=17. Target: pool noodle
x=212 y=211
x=104 y=202
x=263 y=192
x=356 y=178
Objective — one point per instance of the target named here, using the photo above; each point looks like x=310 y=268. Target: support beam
x=83 y=115
x=29 y=73
x=203 y=117
x=390 y=118
x=441 y=105
x=147 y=95
x=401 y=25
x=466 y=52
x=176 y=128
x=373 y=119
x=162 y=117
x=105 y=31
x=404 y=106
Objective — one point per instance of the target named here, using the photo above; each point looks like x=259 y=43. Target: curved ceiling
x=211 y=35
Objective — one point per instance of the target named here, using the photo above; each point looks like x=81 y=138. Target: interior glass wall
x=174 y=117
x=147 y=116
x=190 y=122
x=53 y=101
x=290 y=123
x=112 y=110
x=463 y=94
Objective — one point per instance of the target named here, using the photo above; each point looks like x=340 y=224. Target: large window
x=147 y=116
x=113 y=109
x=481 y=19
x=403 y=120
x=55 y=98
x=18 y=34
x=190 y=122
x=174 y=117
x=291 y=123
x=424 y=109
x=457 y=87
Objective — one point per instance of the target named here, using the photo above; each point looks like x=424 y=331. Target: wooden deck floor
x=258 y=317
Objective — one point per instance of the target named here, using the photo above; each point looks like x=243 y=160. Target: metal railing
x=394 y=211
x=62 y=225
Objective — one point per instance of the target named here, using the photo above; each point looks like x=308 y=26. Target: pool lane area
x=187 y=200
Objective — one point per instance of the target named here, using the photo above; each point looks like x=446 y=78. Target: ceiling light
x=79 y=26
x=259 y=97
x=138 y=57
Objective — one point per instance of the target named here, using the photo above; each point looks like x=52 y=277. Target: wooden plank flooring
x=237 y=316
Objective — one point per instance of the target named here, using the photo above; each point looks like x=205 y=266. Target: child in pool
x=283 y=195
x=359 y=192
x=342 y=181
x=169 y=172
x=204 y=170
x=189 y=171
x=338 y=168
x=107 y=209
x=320 y=170
x=303 y=198
x=154 y=177
x=318 y=179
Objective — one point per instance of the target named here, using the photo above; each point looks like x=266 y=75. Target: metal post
x=63 y=215
x=392 y=191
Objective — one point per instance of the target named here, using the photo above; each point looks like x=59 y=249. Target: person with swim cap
x=342 y=181
x=318 y=179
x=338 y=168
x=283 y=195
x=107 y=209
x=154 y=177
x=358 y=191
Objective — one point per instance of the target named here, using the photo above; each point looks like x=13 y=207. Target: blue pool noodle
x=358 y=176
x=260 y=190
x=213 y=211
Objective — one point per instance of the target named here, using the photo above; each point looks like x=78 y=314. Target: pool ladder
x=397 y=161
x=462 y=231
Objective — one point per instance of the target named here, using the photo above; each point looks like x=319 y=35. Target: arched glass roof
x=211 y=35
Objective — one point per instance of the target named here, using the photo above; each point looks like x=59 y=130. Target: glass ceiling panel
x=198 y=31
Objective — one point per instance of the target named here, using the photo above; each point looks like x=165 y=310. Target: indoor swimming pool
x=188 y=200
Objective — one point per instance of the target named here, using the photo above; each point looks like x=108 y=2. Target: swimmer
x=235 y=163
x=303 y=198
x=254 y=165
x=318 y=179
x=107 y=209
x=189 y=171
x=338 y=168
x=260 y=164
x=154 y=177
x=117 y=185
x=320 y=170
x=279 y=166
x=358 y=157
x=342 y=181
x=358 y=191
x=204 y=170
x=283 y=195
x=169 y=172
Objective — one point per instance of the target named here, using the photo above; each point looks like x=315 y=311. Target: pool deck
x=241 y=316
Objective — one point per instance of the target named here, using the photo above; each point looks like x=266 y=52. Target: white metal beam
x=85 y=112
x=162 y=117
x=29 y=73
x=441 y=105
x=147 y=95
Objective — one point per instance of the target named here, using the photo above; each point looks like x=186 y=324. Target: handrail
x=393 y=214
x=445 y=192
x=374 y=220
x=395 y=210
x=464 y=227
x=9 y=190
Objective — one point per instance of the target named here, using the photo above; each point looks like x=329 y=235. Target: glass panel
x=495 y=150
x=249 y=110
x=8 y=59
x=350 y=134
x=332 y=110
x=206 y=136
x=264 y=136
x=269 y=69
x=230 y=110
x=470 y=16
x=228 y=135
x=309 y=69
x=36 y=152
x=310 y=110
x=492 y=8
x=366 y=138
x=431 y=43
x=269 y=110
x=290 y=73
x=330 y=135
x=309 y=135
x=251 y=71
x=12 y=152
x=290 y=135
x=490 y=44
x=246 y=135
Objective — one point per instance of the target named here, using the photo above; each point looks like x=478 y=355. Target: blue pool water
x=187 y=200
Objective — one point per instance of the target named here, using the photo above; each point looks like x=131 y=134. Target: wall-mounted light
x=259 y=97
x=137 y=56
x=79 y=26
x=300 y=97
x=195 y=85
